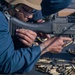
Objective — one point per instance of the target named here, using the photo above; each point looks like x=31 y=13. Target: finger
x=41 y=21
x=26 y=30
x=24 y=37
x=66 y=38
x=59 y=51
x=60 y=42
x=56 y=49
x=32 y=35
x=32 y=32
x=47 y=35
x=25 y=42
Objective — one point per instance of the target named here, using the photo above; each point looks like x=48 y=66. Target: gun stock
x=37 y=27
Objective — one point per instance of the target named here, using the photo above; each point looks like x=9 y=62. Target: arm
x=11 y=60
x=23 y=59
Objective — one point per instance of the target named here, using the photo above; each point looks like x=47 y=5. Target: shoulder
x=3 y=21
x=2 y=17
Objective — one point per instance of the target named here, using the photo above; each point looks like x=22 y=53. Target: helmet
x=31 y=3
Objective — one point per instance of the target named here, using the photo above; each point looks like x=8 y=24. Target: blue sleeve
x=12 y=60
x=52 y=6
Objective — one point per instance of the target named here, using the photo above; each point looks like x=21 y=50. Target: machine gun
x=58 y=26
x=50 y=27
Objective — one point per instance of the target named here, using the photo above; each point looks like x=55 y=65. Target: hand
x=40 y=21
x=54 y=45
x=26 y=36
